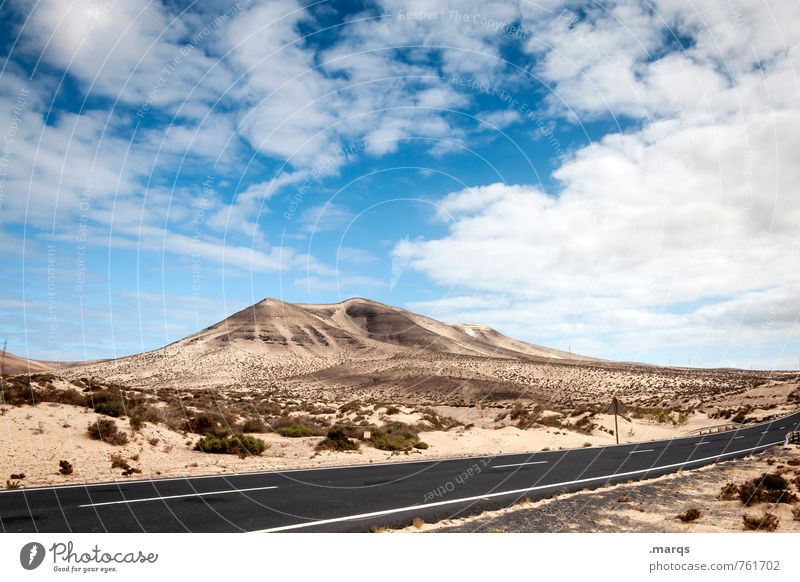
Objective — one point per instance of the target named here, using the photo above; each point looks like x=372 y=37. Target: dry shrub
x=729 y=492
x=105 y=429
x=690 y=515
x=254 y=425
x=394 y=436
x=768 y=488
x=765 y=522
x=337 y=440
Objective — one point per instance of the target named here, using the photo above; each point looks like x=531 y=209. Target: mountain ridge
x=273 y=339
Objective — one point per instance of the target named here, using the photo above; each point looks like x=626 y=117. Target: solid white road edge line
x=518 y=464
x=499 y=493
x=178 y=496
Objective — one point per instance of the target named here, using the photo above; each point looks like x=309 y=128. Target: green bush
x=313 y=425
x=337 y=440
x=231 y=444
x=394 y=436
x=105 y=429
x=295 y=431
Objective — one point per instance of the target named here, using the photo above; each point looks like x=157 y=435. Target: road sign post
x=615 y=409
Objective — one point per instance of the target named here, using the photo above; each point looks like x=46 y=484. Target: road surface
x=359 y=498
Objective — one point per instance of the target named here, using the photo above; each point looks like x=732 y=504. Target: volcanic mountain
x=275 y=340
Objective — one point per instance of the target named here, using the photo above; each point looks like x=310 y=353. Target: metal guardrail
x=716 y=428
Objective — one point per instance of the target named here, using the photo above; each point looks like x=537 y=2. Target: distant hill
x=18 y=365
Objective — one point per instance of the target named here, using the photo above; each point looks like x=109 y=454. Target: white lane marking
x=764 y=432
x=500 y=493
x=642 y=451
x=518 y=464
x=739 y=437
x=179 y=496
x=781 y=428
x=704 y=443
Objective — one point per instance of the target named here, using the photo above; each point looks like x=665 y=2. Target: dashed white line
x=642 y=451
x=704 y=443
x=519 y=464
x=499 y=493
x=178 y=496
x=739 y=437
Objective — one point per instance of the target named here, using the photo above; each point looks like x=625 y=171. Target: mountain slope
x=396 y=326
x=274 y=340
x=18 y=365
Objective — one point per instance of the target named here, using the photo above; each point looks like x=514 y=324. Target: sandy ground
x=34 y=439
x=648 y=506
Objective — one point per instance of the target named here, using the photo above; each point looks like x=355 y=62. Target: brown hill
x=272 y=340
x=18 y=365
x=399 y=327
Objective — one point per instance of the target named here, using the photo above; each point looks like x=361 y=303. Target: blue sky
x=616 y=178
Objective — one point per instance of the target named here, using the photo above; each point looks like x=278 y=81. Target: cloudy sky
x=619 y=178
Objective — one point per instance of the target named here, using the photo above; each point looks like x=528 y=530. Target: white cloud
x=325 y=217
x=678 y=233
x=669 y=215
x=137 y=51
x=499 y=119
x=354 y=255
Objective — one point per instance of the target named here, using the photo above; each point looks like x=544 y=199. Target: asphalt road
x=358 y=498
